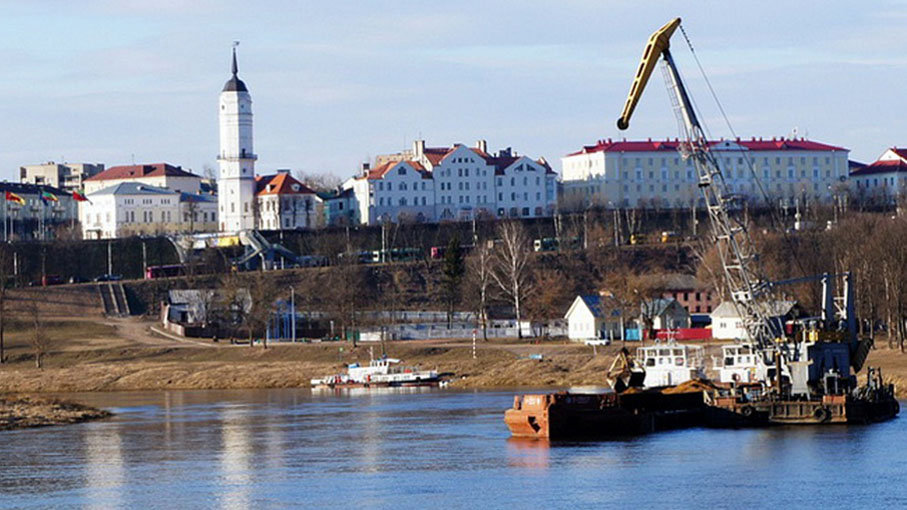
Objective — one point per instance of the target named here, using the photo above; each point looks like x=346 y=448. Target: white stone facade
x=454 y=183
x=653 y=173
x=284 y=203
x=884 y=180
x=137 y=209
x=236 y=183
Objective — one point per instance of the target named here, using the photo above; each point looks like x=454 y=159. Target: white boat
x=381 y=372
x=670 y=364
x=737 y=364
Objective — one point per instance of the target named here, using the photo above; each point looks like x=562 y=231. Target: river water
x=425 y=449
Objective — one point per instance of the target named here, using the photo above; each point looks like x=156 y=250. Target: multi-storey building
x=653 y=173
x=885 y=180
x=339 y=207
x=35 y=211
x=159 y=175
x=453 y=183
x=285 y=203
x=131 y=208
x=65 y=176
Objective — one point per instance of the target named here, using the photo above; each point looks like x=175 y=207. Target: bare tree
x=478 y=274
x=452 y=276
x=511 y=269
x=38 y=340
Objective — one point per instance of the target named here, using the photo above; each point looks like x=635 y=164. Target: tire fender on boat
x=747 y=411
x=822 y=414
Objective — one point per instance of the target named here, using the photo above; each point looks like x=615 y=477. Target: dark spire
x=234 y=84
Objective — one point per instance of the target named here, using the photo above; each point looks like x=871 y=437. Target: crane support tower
x=805 y=360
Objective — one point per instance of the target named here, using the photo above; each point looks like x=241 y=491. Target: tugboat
x=380 y=373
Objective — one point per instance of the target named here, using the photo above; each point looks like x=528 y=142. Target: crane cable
x=775 y=221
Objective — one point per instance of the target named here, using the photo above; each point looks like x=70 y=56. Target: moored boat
x=380 y=373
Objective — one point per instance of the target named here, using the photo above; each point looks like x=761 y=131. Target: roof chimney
x=418 y=149
x=365 y=168
x=482 y=145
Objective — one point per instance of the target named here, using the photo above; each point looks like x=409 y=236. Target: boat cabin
x=737 y=363
x=670 y=364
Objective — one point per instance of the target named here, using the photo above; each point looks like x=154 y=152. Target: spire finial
x=235 y=67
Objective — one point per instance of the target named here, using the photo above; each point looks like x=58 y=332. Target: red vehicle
x=152 y=272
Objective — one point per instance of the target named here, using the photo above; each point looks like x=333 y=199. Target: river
x=424 y=449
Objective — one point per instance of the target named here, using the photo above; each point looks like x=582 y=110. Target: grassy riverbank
x=87 y=355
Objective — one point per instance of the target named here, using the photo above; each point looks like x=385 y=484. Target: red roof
x=381 y=170
x=281 y=183
x=902 y=153
x=671 y=145
x=880 y=167
x=136 y=171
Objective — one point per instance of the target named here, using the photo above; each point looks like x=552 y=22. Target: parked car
x=51 y=279
x=109 y=278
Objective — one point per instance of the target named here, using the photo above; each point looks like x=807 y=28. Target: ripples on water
x=424 y=449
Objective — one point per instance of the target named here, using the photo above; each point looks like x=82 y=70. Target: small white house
x=594 y=317
x=666 y=313
x=727 y=324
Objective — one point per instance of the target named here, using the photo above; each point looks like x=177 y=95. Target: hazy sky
x=335 y=82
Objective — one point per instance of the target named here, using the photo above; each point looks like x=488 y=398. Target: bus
x=152 y=272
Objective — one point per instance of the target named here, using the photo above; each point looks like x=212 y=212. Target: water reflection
x=290 y=448
x=104 y=467
x=235 y=458
x=528 y=453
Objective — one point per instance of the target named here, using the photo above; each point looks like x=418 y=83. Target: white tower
x=236 y=183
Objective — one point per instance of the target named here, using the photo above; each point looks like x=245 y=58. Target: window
x=401 y=171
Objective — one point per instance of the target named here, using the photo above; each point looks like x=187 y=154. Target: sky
x=336 y=82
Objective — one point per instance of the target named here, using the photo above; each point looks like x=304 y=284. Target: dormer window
x=401 y=171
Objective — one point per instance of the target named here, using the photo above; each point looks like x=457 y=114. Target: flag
x=47 y=196
x=78 y=197
x=12 y=197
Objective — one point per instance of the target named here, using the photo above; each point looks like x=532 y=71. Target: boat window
x=650 y=362
x=729 y=361
x=744 y=350
x=678 y=352
x=678 y=362
x=664 y=352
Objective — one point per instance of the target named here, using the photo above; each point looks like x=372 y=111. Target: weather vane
x=235 y=43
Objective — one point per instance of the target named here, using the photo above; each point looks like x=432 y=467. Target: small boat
x=380 y=373
x=670 y=364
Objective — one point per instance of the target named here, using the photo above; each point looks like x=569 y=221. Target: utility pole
x=109 y=259
x=144 y=257
x=293 y=313
x=693 y=213
x=585 y=228
x=616 y=222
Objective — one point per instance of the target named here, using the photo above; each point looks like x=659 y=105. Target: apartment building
x=66 y=176
x=430 y=184
x=622 y=173
x=883 y=180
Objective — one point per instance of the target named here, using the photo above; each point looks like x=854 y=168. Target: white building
x=884 y=180
x=159 y=175
x=285 y=203
x=454 y=183
x=131 y=208
x=653 y=173
x=727 y=324
x=66 y=176
x=236 y=183
x=594 y=317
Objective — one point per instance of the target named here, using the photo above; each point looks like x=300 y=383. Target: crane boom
x=658 y=43
x=748 y=289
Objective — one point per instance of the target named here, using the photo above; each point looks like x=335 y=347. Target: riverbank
x=17 y=412
x=496 y=365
